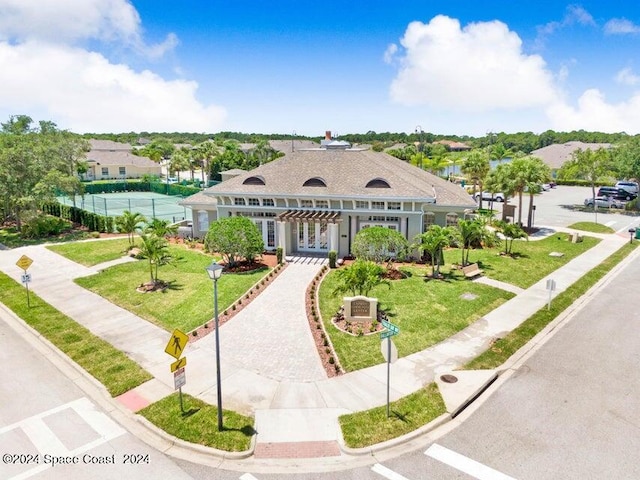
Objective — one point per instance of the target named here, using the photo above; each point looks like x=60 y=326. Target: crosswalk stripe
x=247 y=476
x=387 y=472
x=465 y=464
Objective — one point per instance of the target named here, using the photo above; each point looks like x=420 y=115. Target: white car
x=631 y=187
x=604 y=202
x=172 y=180
x=496 y=197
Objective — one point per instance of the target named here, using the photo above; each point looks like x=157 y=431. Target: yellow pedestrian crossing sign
x=178 y=364
x=24 y=262
x=176 y=344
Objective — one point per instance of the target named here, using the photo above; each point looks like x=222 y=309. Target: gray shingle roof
x=346 y=174
x=109 y=146
x=105 y=157
x=557 y=154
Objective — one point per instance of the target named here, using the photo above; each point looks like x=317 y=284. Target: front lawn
x=592 y=227
x=188 y=301
x=10 y=237
x=92 y=253
x=531 y=260
x=427 y=312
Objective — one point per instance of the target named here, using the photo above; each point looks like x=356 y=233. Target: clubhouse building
x=314 y=200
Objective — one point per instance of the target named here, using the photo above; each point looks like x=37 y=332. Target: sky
x=301 y=67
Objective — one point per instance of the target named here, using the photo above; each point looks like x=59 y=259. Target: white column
x=333 y=237
x=282 y=236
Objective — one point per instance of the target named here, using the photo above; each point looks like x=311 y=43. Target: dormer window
x=315 y=182
x=378 y=183
x=254 y=181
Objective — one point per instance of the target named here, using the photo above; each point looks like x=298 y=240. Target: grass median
x=199 y=424
x=117 y=372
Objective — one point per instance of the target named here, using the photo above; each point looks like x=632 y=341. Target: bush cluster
x=93 y=221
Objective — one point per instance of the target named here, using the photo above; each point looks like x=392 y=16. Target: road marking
x=247 y=476
x=465 y=464
x=387 y=473
x=608 y=224
x=46 y=442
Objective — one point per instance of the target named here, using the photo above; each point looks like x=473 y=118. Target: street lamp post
x=215 y=271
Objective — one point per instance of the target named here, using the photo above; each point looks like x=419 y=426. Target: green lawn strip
x=409 y=413
x=200 y=425
x=10 y=237
x=531 y=261
x=592 y=227
x=117 y=372
x=427 y=312
x=186 y=304
x=503 y=348
x=94 y=252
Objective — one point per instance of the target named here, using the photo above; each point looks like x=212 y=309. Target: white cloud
x=390 y=52
x=46 y=72
x=620 y=26
x=593 y=113
x=627 y=77
x=478 y=68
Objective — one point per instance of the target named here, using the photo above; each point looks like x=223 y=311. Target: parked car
x=172 y=180
x=631 y=187
x=496 y=197
x=616 y=193
x=604 y=202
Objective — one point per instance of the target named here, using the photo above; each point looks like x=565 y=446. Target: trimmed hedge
x=135 y=186
x=93 y=221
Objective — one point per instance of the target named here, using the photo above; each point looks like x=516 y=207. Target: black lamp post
x=215 y=272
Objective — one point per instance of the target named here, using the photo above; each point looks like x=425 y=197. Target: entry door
x=312 y=237
x=268 y=230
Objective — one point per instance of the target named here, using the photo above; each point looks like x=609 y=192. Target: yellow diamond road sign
x=178 y=364
x=176 y=344
x=24 y=262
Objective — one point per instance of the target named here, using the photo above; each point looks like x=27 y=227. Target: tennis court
x=149 y=204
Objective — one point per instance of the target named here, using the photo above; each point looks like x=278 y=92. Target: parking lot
x=563 y=206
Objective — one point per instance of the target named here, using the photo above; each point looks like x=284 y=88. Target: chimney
x=327 y=135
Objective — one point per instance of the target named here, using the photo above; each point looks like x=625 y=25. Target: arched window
x=452 y=219
x=378 y=183
x=254 y=181
x=315 y=182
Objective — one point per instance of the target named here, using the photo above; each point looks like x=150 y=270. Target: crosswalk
x=64 y=431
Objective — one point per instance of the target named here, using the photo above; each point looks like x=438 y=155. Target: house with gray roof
x=314 y=200
x=557 y=154
x=114 y=160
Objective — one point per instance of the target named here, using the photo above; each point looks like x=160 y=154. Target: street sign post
x=24 y=263
x=551 y=286
x=392 y=353
x=180 y=380
x=175 y=347
x=178 y=364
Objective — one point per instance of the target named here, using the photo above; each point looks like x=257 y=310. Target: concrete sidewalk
x=269 y=364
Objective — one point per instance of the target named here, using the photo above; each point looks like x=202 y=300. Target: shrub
x=279 y=255
x=333 y=256
x=332 y=360
x=42 y=226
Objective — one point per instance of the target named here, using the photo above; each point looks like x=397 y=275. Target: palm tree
x=537 y=172
x=207 y=152
x=359 y=278
x=156 y=250
x=433 y=241
x=470 y=232
x=129 y=223
x=511 y=232
x=161 y=228
x=476 y=167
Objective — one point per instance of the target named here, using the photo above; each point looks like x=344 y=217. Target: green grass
x=186 y=304
x=409 y=413
x=592 y=227
x=531 y=261
x=200 y=425
x=10 y=237
x=117 y=372
x=427 y=312
x=503 y=348
x=92 y=253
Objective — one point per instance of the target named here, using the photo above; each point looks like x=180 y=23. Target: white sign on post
x=179 y=378
x=551 y=286
x=384 y=348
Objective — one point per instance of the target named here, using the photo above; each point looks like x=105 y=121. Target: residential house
x=113 y=160
x=557 y=154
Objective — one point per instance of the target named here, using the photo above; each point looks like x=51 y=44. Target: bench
x=471 y=271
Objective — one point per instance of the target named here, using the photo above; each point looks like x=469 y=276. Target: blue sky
x=450 y=67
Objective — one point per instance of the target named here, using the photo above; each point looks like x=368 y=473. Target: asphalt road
x=50 y=430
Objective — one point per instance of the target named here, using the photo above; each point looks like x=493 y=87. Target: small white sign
x=179 y=378
x=551 y=285
x=384 y=348
x=26 y=278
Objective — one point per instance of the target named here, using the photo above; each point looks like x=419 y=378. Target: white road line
x=608 y=224
x=247 y=476
x=387 y=473
x=465 y=464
